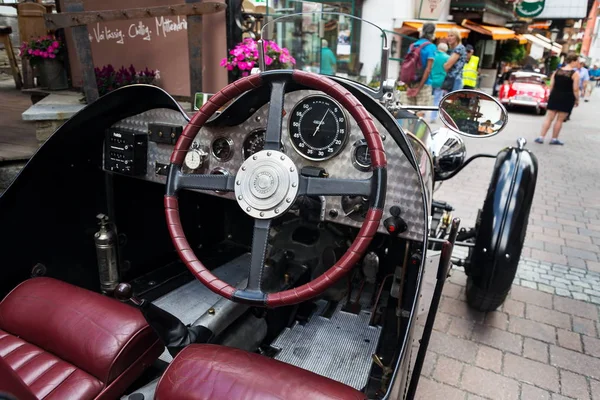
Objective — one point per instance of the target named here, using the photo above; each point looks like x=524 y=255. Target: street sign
x=530 y=8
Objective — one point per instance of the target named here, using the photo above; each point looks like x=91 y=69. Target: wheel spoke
x=310 y=186
x=224 y=183
x=259 y=249
x=275 y=118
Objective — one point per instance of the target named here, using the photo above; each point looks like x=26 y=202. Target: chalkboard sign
x=156 y=43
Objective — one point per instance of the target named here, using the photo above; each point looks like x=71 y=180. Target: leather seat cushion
x=47 y=376
x=210 y=372
x=98 y=334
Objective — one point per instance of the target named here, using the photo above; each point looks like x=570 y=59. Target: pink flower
x=242 y=65
x=275 y=47
x=245 y=73
x=250 y=64
x=55 y=44
x=30 y=51
x=44 y=54
x=51 y=55
x=241 y=57
x=223 y=62
x=268 y=60
x=229 y=67
x=37 y=53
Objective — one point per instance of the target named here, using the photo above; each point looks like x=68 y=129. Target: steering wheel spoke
x=179 y=180
x=311 y=186
x=275 y=118
x=260 y=240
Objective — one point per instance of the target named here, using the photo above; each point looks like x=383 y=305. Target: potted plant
x=108 y=78
x=244 y=56
x=46 y=55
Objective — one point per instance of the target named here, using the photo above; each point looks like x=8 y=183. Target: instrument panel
x=316 y=131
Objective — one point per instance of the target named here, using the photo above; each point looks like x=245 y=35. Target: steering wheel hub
x=266 y=184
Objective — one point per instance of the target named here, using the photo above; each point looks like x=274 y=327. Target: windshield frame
x=363 y=87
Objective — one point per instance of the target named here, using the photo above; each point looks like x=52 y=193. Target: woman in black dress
x=564 y=95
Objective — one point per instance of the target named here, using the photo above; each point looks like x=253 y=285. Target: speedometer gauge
x=318 y=128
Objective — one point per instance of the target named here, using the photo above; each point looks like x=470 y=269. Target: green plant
x=553 y=63
x=512 y=51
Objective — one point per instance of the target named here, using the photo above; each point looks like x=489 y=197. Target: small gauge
x=195 y=158
x=361 y=157
x=254 y=143
x=222 y=148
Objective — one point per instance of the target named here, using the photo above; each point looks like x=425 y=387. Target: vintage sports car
x=280 y=243
x=525 y=89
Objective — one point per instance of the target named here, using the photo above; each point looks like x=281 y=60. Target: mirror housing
x=448 y=152
x=473 y=113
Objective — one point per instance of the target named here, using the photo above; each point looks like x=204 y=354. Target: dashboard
x=317 y=133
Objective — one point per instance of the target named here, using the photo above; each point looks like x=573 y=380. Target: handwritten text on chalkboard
x=163 y=27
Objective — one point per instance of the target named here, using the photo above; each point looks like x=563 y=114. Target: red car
x=527 y=89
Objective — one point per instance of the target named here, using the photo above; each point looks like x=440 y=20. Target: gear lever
x=174 y=334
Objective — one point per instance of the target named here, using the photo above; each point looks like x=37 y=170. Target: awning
x=521 y=39
x=496 y=32
x=441 y=28
x=547 y=44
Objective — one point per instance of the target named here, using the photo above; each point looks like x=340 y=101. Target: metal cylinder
x=106 y=252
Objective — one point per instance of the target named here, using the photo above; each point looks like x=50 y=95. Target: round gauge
x=222 y=148
x=318 y=128
x=361 y=158
x=194 y=159
x=253 y=143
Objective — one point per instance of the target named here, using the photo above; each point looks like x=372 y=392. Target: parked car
x=525 y=89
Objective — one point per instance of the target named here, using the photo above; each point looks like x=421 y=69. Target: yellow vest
x=470 y=72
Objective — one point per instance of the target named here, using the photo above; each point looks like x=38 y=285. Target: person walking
x=584 y=79
x=564 y=95
x=471 y=69
x=456 y=62
x=595 y=75
x=419 y=91
x=328 y=60
x=438 y=75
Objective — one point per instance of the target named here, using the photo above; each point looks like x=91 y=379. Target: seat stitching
x=69 y=308
x=28 y=361
x=43 y=373
x=58 y=385
x=15 y=349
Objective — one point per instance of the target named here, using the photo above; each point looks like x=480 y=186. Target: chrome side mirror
x=448 y=151
x=473 y=113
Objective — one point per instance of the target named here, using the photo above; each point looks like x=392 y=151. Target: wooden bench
x=5 y=32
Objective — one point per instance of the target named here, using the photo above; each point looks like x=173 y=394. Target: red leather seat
x=59 y=341
x=210 y=372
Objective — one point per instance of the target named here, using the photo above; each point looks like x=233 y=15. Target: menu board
x=156 y=43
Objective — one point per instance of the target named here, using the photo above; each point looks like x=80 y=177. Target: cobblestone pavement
x=544 y=342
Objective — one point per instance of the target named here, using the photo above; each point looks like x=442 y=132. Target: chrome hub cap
x=266 y=184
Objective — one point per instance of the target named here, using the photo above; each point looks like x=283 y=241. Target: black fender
x=503 y=220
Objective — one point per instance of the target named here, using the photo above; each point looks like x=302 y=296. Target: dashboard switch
x=395 y=211
x=395 y=225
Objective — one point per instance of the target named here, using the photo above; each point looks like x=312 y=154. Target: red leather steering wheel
x=267 y=184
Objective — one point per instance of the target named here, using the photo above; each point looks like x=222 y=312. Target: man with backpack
x=416 y=69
